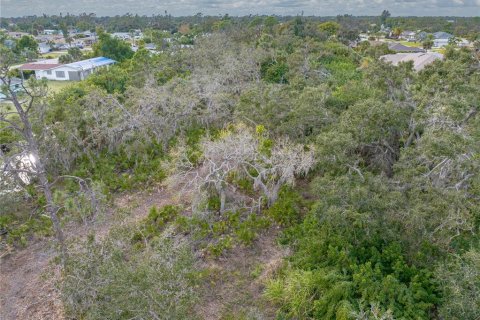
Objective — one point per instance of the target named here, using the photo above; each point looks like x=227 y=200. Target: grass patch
x=57 y=86
x=53 y=54
x=411 y=44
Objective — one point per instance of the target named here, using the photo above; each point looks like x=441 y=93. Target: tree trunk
x=51 y=208
x=42 y=175
x=273 y=194
x=223 y=197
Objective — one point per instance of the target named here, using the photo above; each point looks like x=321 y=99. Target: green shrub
x=19 y=230
x=274 y=71
x=219 y=247
x=287 y=210
x=155 y=223
x=113 y=280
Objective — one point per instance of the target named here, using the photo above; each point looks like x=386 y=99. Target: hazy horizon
x=459 y=8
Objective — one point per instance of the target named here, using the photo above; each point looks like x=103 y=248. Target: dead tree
x=241 y=153
x=19 y=120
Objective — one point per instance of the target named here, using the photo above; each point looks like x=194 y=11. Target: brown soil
x=232 y=290
x=235 y=282
x=27 y=276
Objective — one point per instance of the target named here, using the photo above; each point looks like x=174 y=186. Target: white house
x=122 y=35
x=408 y=35
x=441 y=39
x=49 y=31
x=75 y=71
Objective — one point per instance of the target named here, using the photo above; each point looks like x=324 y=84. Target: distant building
x=49 y=32
x=75 y=71
x=398 y=47
x=88 y=41
x=420 y=60
x=151 y=47
x=122 y=35
x=15 y=85
x=408 y=35
x=421 y=36
x=44 y=48
x=17 y=35
x=441 y=39
x=442 y=35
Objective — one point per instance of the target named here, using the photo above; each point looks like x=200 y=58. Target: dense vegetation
x=370 y=171
x=460 y=26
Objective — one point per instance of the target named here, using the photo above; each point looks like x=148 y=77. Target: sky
x=15 y=8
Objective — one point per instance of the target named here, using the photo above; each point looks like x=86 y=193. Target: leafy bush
x=274 y=71
x=349 y=256
x=155 y=223
x=460 y=279
x=287 y=209
x=113 y=280
x=18 y=231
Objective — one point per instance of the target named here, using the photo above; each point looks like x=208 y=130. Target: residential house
x=398 y=47
x=150 y=46
x=17 y=35
x=122 y=35
x=420 y=59
x=385 y=29
x=76 y=71
x=90 y=40
x=441 y=39
x=49 y=31
x=421 y=36
x=15 y=85
x=43 y=48
x=408 y=35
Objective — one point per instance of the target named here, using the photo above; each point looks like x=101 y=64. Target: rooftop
x=91 y=63
x=80 y=65
x=420 y=60
x=41 y=65
x=402 y=48
x=442 y=35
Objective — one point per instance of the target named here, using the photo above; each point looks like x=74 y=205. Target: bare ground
x=232 y=289
x=27 y=276
x=235 y=282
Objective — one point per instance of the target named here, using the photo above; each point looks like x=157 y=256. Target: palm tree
x=396 y=32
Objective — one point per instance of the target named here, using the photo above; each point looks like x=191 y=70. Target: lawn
x=406 y=43
x=411 y=44
x=53 y=54
x=56 y=86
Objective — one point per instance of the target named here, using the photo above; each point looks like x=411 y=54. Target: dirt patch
x=26 y=290
x=234 y=285
x=233 y=288
x=27 y=277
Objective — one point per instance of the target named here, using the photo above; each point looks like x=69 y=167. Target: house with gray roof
x=420 y=60
x=398 y=47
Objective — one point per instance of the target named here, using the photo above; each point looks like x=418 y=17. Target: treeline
x=459 y=26
x=383 y=224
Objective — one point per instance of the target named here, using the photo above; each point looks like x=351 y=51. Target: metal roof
x=79 y=65
x=90 y=63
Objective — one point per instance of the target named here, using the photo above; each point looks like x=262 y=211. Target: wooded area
x=346 y=187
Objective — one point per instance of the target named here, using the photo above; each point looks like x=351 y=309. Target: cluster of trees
x=199 y=23
x=389 y=159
